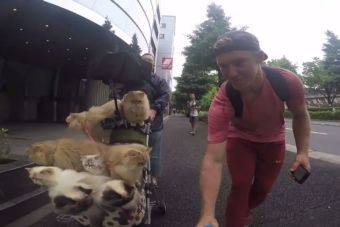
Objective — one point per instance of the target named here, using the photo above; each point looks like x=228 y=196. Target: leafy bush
x=317 y=109
x=207 y=98
x=325 y=115
x=319 y=115
x=203 y=116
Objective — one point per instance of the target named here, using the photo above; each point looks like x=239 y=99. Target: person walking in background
x=193 y=113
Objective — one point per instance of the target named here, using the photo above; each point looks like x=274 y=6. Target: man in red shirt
x=253 y=143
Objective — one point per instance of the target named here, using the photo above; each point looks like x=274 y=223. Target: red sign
x=166 y=63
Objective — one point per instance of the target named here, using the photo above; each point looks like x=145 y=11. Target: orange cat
x=124 y=161
x=91 y=120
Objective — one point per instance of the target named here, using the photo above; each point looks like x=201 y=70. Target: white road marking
x=313 y=132
x=332 y=158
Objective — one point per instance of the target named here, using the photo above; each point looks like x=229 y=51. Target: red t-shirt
x=262 y=119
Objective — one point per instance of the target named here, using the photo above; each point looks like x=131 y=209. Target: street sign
x=167 y=63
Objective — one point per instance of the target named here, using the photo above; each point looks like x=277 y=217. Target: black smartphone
x=300 y=175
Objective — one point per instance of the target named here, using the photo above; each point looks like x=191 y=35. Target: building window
x=163 y=25
x=155 y=28
x=158 y=14
x=161 y=36
x=153 y=46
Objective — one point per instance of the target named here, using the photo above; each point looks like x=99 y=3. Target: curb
x=327 y=157
x=327 y=124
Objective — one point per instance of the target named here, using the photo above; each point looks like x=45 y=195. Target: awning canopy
x=39 y=33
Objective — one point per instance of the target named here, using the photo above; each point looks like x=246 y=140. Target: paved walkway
x=314 y=204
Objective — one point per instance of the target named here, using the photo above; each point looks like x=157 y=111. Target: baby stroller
x=125 y=72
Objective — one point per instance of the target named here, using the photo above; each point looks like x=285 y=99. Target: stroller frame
x=151 y=190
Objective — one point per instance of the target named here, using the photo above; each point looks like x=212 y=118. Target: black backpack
x=276 y=80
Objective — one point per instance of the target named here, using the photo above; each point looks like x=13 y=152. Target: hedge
x=203 y=116
x=320 y=115
x=316 y=115
x=317 y=109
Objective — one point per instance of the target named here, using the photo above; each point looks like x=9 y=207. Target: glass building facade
x=128 y=18
x=45 y=58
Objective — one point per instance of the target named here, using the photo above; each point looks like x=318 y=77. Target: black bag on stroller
x=127 y=69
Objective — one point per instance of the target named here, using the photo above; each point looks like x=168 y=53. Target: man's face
x=192 y=96
x=239 y=67
x=150 y=60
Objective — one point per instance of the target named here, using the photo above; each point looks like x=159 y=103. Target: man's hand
x=152 y=114
x=207 y=221
x=301 y=159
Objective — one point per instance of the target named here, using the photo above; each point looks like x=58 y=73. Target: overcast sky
x=291 y=28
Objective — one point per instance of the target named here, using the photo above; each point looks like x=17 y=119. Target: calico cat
x=126 y=203
x=92 y=200
x=135 y=106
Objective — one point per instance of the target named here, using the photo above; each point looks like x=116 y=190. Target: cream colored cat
x=91 y=120
x=135 y=106
x=44 y=175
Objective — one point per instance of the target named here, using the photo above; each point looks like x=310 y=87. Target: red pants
x=253 y=168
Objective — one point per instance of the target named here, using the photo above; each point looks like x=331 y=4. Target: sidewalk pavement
x=313 y=204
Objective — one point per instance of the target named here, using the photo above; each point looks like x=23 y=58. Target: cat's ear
x=132 y=153
x=141 y=94
x=128 y=188
x=47 y=172
x=124 y=97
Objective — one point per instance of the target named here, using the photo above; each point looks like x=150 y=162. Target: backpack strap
x=278 y=83
x=235 y=99
x=276 y=80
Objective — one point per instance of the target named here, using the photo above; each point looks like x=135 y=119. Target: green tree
x=332 y=58
x=332 y=53
x=200 y=70
x=323 y=76
x=208 y=97
x=283 y=63
x=202 y=39
x=107 y=24
x=192 y=83
x=134 y=45
x=319 y=81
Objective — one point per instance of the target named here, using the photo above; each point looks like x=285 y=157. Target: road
x=324 y=138
x=313 y=204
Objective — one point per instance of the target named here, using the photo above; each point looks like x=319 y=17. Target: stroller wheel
x=161 y=208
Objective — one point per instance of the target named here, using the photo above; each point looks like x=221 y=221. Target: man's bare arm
x=211 y=174
x=301 y=130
